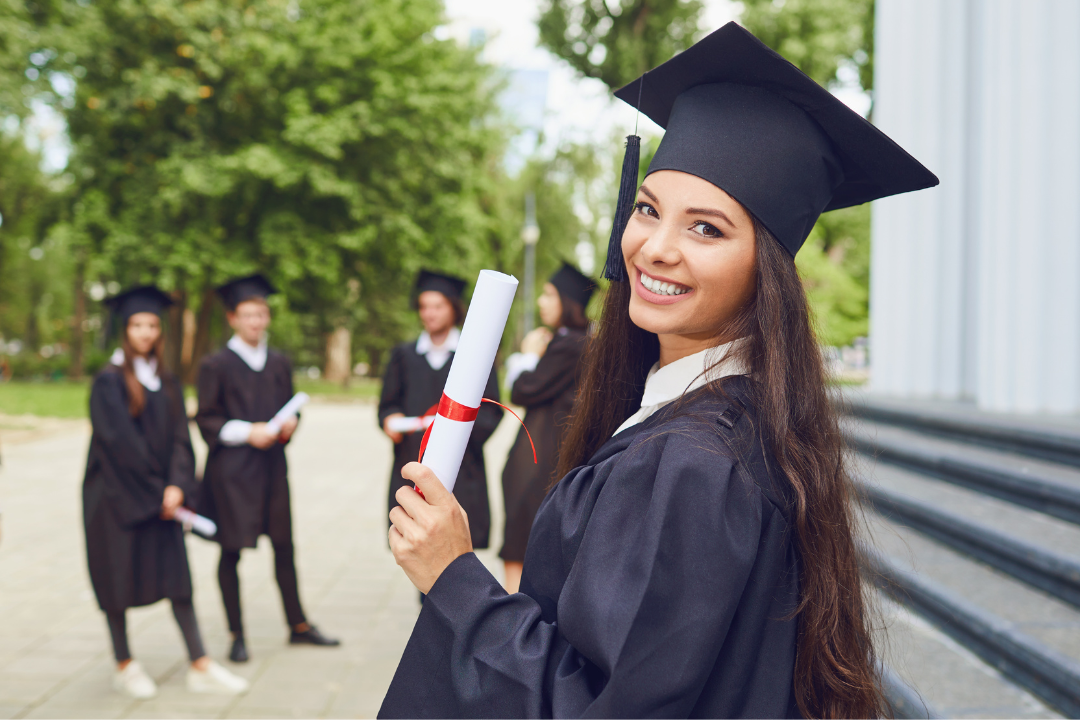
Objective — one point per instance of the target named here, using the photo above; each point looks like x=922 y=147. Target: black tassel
x=615 y=269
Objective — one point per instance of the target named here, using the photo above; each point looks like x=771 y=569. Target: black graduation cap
x=740 y=116
x=569 y=281
x=145 y=298
x=450 y=286
x=237 y=291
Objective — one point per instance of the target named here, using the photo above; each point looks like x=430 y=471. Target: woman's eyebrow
x=710 y=213
x=648 y=194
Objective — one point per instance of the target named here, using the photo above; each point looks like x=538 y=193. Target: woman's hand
x=394 y=436
x=287 y=430
x=260 y=437
x=174 y=498
x=429 y=531
x=536 y=341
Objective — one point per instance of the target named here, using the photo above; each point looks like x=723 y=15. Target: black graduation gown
x=659 y=582
x=547 y=394
x=245 y=489
x=411 y=386
x=135 y=557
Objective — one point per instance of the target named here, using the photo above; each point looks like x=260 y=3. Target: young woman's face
x=436 y=312
x=690 y=253
x=550 y=305
x=143 y=330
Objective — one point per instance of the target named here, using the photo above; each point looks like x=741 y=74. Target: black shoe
x=312 y=636
x=238 y=653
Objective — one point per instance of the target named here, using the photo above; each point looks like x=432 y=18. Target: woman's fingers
x=429 y=485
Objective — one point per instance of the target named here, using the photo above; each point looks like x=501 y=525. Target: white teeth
x=661 y=288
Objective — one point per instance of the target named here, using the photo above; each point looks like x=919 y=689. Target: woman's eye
x=708 y=230
x=646 y=209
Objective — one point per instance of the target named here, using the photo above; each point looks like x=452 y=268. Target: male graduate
x=413 y=383
x=246 y=486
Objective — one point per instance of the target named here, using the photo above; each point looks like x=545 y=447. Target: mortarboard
x=569 y=281
x=740 y=116
x=237 y=291
x=146 y=298
x=450 y=286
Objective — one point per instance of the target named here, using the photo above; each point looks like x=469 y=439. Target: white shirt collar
x=437 y=355
x=255 y=357
x=665 y=384
x=145 y=372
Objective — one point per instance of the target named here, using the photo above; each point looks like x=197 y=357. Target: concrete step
x=1056 y=439
x=1047 y=487
x=1027 y=635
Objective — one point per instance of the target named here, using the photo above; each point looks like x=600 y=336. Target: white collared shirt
x=437 y=355
x=665 y=384
x=237 y=432
x=255 y=357
x=145 y=372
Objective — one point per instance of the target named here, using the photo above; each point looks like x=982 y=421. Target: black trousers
x=184 y=613
x=284 y=571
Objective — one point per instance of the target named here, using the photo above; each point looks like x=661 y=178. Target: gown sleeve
x=133 y=480
x=553 y=375
x=182 y=463
x=392 y=396
x=212 y=414
x=640 y=621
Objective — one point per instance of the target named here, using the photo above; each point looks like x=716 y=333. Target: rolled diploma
x=409 y=424
x=289 y=410
x=202 y=525
x=469 y=371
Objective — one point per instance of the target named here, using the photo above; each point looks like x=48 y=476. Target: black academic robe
x=245 y=489
x=411 y=386
x=135 y=557
x=547 y=394
x=659 y=581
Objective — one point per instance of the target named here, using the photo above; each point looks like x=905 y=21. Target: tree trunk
x=78 y=334
x=174 y=336
x=201 y=342
x=339 y=356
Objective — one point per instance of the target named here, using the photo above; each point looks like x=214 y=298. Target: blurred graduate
x=543 y=378
x=413 y=383
x=140 y=470
x=698 y=556
x=246 y=483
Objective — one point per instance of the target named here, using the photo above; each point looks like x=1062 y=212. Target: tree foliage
x=616 y=41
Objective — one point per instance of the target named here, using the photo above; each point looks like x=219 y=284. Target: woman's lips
x=649 y=296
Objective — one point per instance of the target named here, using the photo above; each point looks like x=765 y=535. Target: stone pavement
x=55 y=658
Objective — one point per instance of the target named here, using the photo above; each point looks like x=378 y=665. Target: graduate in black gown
x=543 y=378
x=697 y=558
x=246 y=483
x=140 y=469
x=413 y=383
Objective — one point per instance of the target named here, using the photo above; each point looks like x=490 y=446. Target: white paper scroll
x=409 y=424
x=469 y=372
x=202 y=525
x=290 y=410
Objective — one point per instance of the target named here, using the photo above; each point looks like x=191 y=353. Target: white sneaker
x=215 y=680
x=134 y=682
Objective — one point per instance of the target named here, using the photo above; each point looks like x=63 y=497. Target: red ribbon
x=453 y=410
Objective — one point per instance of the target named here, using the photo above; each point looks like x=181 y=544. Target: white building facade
x=975 y=284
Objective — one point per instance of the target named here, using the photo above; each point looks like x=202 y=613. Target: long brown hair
x=135 y=391
x=835 y=662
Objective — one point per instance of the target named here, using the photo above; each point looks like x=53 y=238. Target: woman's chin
x=653 y=318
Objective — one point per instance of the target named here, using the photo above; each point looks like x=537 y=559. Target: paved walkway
x=55 y=660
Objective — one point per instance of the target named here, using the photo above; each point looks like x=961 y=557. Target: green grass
x=70 y=399
x=64 y=399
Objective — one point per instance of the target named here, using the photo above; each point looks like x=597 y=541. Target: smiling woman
x=697 y=559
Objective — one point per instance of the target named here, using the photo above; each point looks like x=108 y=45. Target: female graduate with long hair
x=698 y=557
x=140 y=470
x=543 y=378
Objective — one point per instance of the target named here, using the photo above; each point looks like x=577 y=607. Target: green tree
x=335 y=144
x=617 y=40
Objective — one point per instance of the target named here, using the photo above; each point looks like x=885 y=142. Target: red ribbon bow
x=453 y=410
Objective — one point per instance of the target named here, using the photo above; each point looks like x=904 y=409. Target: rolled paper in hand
x=290 y=410
x=202 y=525
x=469 y=372
x=409 y=424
